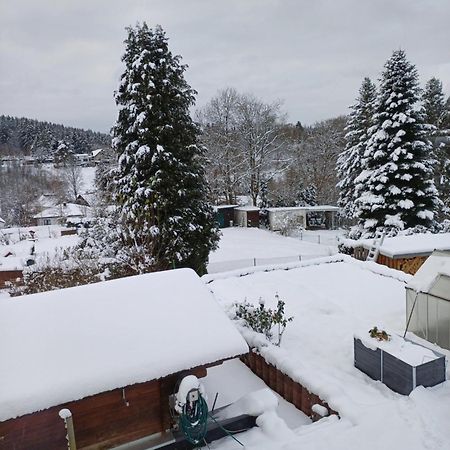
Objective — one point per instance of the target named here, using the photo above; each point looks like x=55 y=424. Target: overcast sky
x=60 y=59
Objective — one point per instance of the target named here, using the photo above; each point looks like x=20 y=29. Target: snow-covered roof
x=413 y=245
x=437 y=264
x=247 y=208
x=47 y=200
x=64 y=210
x=1 y=220
x=305 y=208
x=64 y=345
x=217 y=207
x=96 y=152
x=89 y=197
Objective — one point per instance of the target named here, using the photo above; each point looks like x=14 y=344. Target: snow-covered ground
x=48 y=241
x=87 y=176
x=244 y=247
x=222 y=380
x=323 y=237
x=330 y=302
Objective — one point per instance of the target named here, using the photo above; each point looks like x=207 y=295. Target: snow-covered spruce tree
x=349 y=161
x=436 y=116
x=434 y=103
x=160 y=185
x=396 y=184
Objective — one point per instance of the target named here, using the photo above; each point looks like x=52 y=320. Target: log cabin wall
x=101 y=421
x=408 y=265
x=290 y=390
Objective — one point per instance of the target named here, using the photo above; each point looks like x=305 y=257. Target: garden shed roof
x=72 y=343
x=434 y=275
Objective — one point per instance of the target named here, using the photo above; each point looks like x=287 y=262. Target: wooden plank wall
x=407 y=265
x=281 y=383
x=9 y=275
x=101 y=421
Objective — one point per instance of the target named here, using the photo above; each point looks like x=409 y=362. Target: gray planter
x=398 y=375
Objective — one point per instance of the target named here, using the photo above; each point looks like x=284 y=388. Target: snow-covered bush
x=264 y=320
x=289 y=223
x=445 y=226
x=61 y=271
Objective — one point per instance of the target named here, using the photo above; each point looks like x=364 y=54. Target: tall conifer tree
x=396 y=186
x=159 y=184
x=349 y=161
x=434 y=103
x=437 y=116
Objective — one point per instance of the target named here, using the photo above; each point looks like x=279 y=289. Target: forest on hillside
x=21 y=136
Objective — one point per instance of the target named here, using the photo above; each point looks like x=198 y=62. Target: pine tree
x=160 y=183
x=397 y=187
x=435 y=111
x=349 y=161
x=434 y=103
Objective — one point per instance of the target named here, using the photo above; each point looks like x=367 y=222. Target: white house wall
x=240 y=218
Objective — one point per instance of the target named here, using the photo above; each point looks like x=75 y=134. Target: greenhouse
x=428 y=300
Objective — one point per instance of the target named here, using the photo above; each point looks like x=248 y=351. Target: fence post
x=318 y=238
x=66 y=415
x=254 y=262
x=299 y=257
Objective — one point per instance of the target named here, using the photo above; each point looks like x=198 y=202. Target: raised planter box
x=400 y=364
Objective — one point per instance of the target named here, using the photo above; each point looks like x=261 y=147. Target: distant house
x=102 y=155
x=246 y=216
x=2 y=223
x=62 y=214
x=83 y=159
x=87 y=199
x=110 y=352
x=45 y=201
x=96 y=154
x=307 y=217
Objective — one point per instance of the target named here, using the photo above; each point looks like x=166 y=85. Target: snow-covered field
x=323 y=237
x=330 y=302
x=244 y=247
x=48 y=241
x=87 y=176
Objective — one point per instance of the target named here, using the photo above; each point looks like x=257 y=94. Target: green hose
x=193 y=421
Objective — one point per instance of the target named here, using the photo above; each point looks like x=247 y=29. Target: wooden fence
x=290 y=390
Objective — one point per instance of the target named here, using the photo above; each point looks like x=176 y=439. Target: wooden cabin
x=224 y=215
x=307 y=217
x=246 y=216
x=111 y=352
x=405 y=253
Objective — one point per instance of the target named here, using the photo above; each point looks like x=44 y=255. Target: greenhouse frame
x=428 y=300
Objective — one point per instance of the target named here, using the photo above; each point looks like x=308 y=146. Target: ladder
x=376 y=245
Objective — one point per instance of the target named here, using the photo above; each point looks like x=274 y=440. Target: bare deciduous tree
x=74 y=178
x=243 y=136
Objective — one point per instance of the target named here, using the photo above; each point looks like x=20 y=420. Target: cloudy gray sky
x=60 y=59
